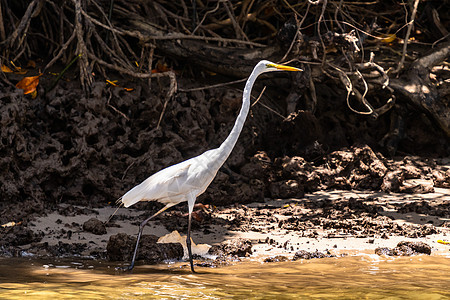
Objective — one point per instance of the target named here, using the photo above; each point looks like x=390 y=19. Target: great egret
x=187 y=180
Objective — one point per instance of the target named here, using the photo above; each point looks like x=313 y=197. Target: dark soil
x=66 y=148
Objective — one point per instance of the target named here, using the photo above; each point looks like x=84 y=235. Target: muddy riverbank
x=67 y=158
x=331 y=222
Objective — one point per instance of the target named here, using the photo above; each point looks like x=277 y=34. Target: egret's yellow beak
x=284 y=68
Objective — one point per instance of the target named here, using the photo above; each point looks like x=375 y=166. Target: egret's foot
x=125 y=269
x=192 y=268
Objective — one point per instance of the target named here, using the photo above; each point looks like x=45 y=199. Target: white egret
x=187 y=180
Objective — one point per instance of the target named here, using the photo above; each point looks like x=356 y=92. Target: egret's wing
x=163 y=184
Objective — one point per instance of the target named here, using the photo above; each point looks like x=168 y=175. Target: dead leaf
x=116 y=83
x=29 y=85
x=6 y=69
x=160 y=68
x=112 y=82
x=31 y=64
x=11 y=224
x=18 y=70
x=388 y=38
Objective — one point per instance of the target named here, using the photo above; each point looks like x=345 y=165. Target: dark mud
x=85 y=152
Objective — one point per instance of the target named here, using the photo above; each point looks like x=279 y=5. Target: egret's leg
x=141 y=228
x=188 y=243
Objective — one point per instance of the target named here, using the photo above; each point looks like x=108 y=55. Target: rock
x=405 y=249
x=392 y=181
x=383 y=251
x=441 y=178
x=17 y=236
x=419 y=247
x=238 y=247
x=95 y=226
x=358 y=167
x=278 y=258
x=302 y=254
x=121 y=246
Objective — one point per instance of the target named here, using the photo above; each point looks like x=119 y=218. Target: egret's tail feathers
x=118 y=202
x=134 y=195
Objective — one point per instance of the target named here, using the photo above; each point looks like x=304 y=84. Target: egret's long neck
x=228 y=145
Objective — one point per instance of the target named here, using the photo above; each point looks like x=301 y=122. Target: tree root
x=127 y=39
x=416 y=86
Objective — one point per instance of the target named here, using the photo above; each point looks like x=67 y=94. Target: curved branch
x=416 y=87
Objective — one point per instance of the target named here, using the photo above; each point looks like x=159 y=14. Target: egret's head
x=268 y=66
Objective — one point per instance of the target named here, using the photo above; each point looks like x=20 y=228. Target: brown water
x=353 y=277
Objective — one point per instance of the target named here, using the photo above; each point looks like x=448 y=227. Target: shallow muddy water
x=352 y=277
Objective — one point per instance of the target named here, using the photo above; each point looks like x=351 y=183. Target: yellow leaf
x=6 y=69
x=388 y=38
x=128 y=89
x=29 y=84
x=112 y=82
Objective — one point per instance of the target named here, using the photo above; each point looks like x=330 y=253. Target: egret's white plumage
x=187 y=180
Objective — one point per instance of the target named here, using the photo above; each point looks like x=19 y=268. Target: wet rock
x=384 y=251
x=17 y=236
x=303 y=254
x=418 y=247
x=238 y=247
x=405 y=249
x=121 y=246
x=67 y=250
x=278 y=258
x=60 y=249
x=95 y=226
x=219 y=261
